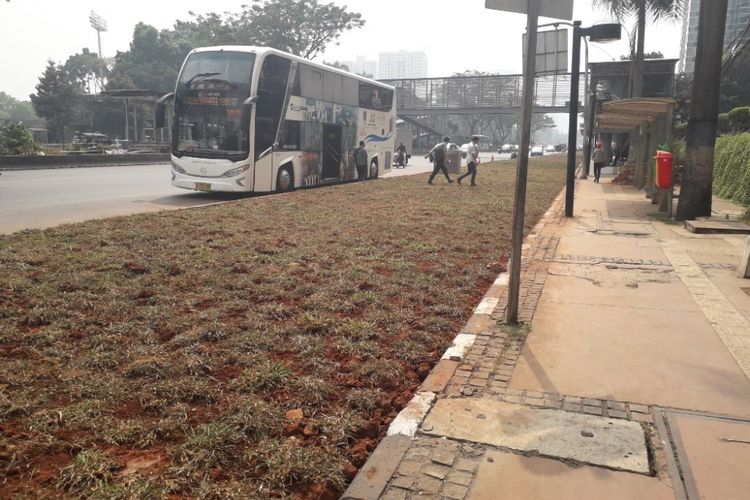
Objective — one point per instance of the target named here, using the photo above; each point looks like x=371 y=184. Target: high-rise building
x=738 y=17
x=402 y=64
x=362 y=66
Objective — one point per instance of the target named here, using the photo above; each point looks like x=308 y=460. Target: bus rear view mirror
x=161 y=109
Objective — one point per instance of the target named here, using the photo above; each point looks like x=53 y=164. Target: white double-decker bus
x=258 y=119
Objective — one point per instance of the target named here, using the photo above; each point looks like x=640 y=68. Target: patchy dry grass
x=255 y=349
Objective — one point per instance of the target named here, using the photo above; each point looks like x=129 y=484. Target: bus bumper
x=211 y=184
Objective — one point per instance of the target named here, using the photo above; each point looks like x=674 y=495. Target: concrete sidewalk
x=631 y=381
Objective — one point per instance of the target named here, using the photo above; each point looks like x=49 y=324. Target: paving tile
x=428 y=484
x=462 y=478
x=454 y=491
x=617 y=414
x=464 y=464
x=394 y=494
x=592 y=410
x=634 y=407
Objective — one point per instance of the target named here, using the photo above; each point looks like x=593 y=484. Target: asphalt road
x=33 y=199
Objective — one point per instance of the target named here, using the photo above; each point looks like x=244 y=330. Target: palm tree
x=658 y=9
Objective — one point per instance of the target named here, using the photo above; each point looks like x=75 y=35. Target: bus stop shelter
x=649 y=121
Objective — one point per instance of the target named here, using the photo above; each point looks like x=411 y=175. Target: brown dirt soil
x=157 y=355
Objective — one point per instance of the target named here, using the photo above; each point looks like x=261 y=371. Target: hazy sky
x=456 y=35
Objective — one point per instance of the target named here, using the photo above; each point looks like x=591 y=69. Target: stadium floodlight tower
x=99 y=24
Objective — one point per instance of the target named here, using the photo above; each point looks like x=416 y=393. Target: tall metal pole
x=99 y=39
x=573 y=124
x=522 y=174
x=586 y=114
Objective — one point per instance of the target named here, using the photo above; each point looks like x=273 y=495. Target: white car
x=537 y=151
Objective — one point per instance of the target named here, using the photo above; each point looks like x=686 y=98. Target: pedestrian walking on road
x=438 y=157
x=599 y=157
x=472 y=159
x=360 y=161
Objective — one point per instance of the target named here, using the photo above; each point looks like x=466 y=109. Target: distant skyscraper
x=402 y=64
x=362 y=66
x=738 y=17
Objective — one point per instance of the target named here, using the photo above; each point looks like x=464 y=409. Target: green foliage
x=15 y=110
x=732 y=168
x=54 y=99
x=15 y=139
x=724 y=123
x=155 y=57
x=152 y=62
x=735 y=82
x=739 y=119
x=87 y=70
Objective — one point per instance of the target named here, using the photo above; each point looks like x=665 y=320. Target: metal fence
x=491 y=94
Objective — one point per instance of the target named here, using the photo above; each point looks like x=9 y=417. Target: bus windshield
x=210 y=120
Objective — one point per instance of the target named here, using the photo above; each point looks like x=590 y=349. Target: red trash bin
x=663 y=169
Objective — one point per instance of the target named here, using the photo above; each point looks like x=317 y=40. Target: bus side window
x=289 y=136
x=271 y=92
x=350 y=92
x=365 y=95
x=311 y=82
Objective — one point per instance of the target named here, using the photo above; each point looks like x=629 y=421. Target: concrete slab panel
x=612 y=443
x=667 y=358
x=585 y=285
x=600 y=245
x=505 y=476
x=719 y=468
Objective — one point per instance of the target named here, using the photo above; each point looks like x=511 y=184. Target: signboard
x=551 y=52
x=556 y=9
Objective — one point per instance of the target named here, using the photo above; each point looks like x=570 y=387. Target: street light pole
x=519 y=207
x=573 y=120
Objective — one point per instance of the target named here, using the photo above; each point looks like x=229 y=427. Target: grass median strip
x=254 y=349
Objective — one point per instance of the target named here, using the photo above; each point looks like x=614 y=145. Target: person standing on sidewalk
x=472 y=158
x=438 y=157
x=599 y=157
x=360 y=160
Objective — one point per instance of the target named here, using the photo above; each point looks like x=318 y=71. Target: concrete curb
x=16 y=163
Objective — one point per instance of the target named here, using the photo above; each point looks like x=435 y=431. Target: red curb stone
x=373 y=477
x=439 y=377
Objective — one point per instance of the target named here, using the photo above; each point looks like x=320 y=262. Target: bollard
x=744 y=267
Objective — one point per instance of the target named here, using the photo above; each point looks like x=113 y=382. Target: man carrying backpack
x=438 y=157
x=360 y=161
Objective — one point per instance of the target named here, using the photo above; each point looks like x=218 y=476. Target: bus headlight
x=236 y=171
x=178 y=168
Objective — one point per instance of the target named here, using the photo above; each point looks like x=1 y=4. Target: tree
x=153 y=61
x=735 y=82
x=541 y=122
x=87 y=70
x=659 y=9
x=15 y=110
x=15 y=139
x=336 y=64
x=155 y=57
x=697 y=179
x=648 y=55
x=316 y=24
x=54 y=99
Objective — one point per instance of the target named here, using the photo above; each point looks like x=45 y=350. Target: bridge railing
x=491 y=92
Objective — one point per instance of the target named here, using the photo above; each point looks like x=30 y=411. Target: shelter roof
x=628 y=114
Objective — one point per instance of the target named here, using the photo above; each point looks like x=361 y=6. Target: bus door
x=331 y=152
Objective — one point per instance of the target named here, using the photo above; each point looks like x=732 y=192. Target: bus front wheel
x=374 y=170
x=285 y=179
